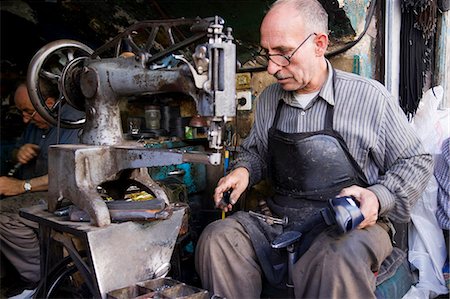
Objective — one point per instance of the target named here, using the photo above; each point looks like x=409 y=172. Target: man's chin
x=288 y=86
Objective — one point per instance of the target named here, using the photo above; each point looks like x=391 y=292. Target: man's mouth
x=281 y=77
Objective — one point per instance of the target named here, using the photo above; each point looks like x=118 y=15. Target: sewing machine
x=94 y=82
x=192 y=56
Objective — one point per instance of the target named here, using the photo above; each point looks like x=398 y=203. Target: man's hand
x=368 y=203
x=11 y=186
x=27 y=152
x=237 y=180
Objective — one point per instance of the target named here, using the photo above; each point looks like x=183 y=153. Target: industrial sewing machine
x=192 y=56
x=90 y=82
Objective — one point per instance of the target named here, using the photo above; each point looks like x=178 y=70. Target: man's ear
x=50 y=102
x=321 y=42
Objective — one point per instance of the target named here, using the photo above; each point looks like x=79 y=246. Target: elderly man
x=318 y=133
x=19 y=242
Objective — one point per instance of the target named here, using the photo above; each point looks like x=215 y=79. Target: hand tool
x=13 y=170
x=226 y=195
x=270 y=220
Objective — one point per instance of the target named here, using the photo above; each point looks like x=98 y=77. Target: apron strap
x=329 y=117
x=277 y=113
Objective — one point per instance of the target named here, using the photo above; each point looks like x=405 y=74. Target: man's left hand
x=368 y=203
x=11 y=186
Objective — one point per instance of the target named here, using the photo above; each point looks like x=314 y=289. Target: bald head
x=310 y=13
x=22 y=100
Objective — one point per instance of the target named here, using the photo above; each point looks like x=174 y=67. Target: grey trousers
x=19 y=242
x=333 y=267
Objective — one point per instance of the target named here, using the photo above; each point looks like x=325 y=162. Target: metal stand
x=289 y=240
x=118 y=255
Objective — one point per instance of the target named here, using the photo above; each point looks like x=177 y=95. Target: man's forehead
x=21 y=98
x=279 y=39
x=277 y=31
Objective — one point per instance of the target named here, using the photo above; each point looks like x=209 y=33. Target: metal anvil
x=77 y=170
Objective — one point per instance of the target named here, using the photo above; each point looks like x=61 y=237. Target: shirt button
x=302 y=113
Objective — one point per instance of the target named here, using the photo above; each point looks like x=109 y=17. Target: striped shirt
x=374 y=127
x=442 y=174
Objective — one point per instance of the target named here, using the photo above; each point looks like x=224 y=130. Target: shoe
x=26 y=294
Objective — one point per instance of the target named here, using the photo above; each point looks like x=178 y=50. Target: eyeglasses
x=280 y=59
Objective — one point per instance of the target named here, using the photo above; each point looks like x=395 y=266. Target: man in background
x=19 y=241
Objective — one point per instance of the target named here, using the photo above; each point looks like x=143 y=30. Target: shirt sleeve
x=442 y=175
x=253 y=154
x=406 y=167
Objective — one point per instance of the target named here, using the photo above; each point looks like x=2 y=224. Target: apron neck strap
x=277 y=113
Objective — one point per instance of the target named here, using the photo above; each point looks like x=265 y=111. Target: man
x=19 y=242
x=318 y=133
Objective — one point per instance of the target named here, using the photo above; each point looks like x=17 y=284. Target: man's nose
x=272 y=67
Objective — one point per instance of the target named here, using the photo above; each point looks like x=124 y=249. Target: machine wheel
x=64 y=281
x=55 y=69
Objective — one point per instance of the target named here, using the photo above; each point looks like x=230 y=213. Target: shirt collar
x=327 y=91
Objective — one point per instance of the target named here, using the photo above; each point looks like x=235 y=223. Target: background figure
x=442 y=175
x=19 y=242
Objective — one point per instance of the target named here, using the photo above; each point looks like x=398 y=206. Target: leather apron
x=305 y=170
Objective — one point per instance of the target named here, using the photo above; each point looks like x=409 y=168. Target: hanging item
x=416 y=47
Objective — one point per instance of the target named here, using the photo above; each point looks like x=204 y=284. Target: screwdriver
x=13 y=170
x=225 y=168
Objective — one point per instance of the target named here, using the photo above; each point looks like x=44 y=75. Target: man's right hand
x=237 y=180
x=27 y=152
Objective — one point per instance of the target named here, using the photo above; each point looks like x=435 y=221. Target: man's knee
x=372 y=244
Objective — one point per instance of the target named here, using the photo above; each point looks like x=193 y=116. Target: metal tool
x=78 y=215
x=269 y=219
x=226 y=198
x=227 y=194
